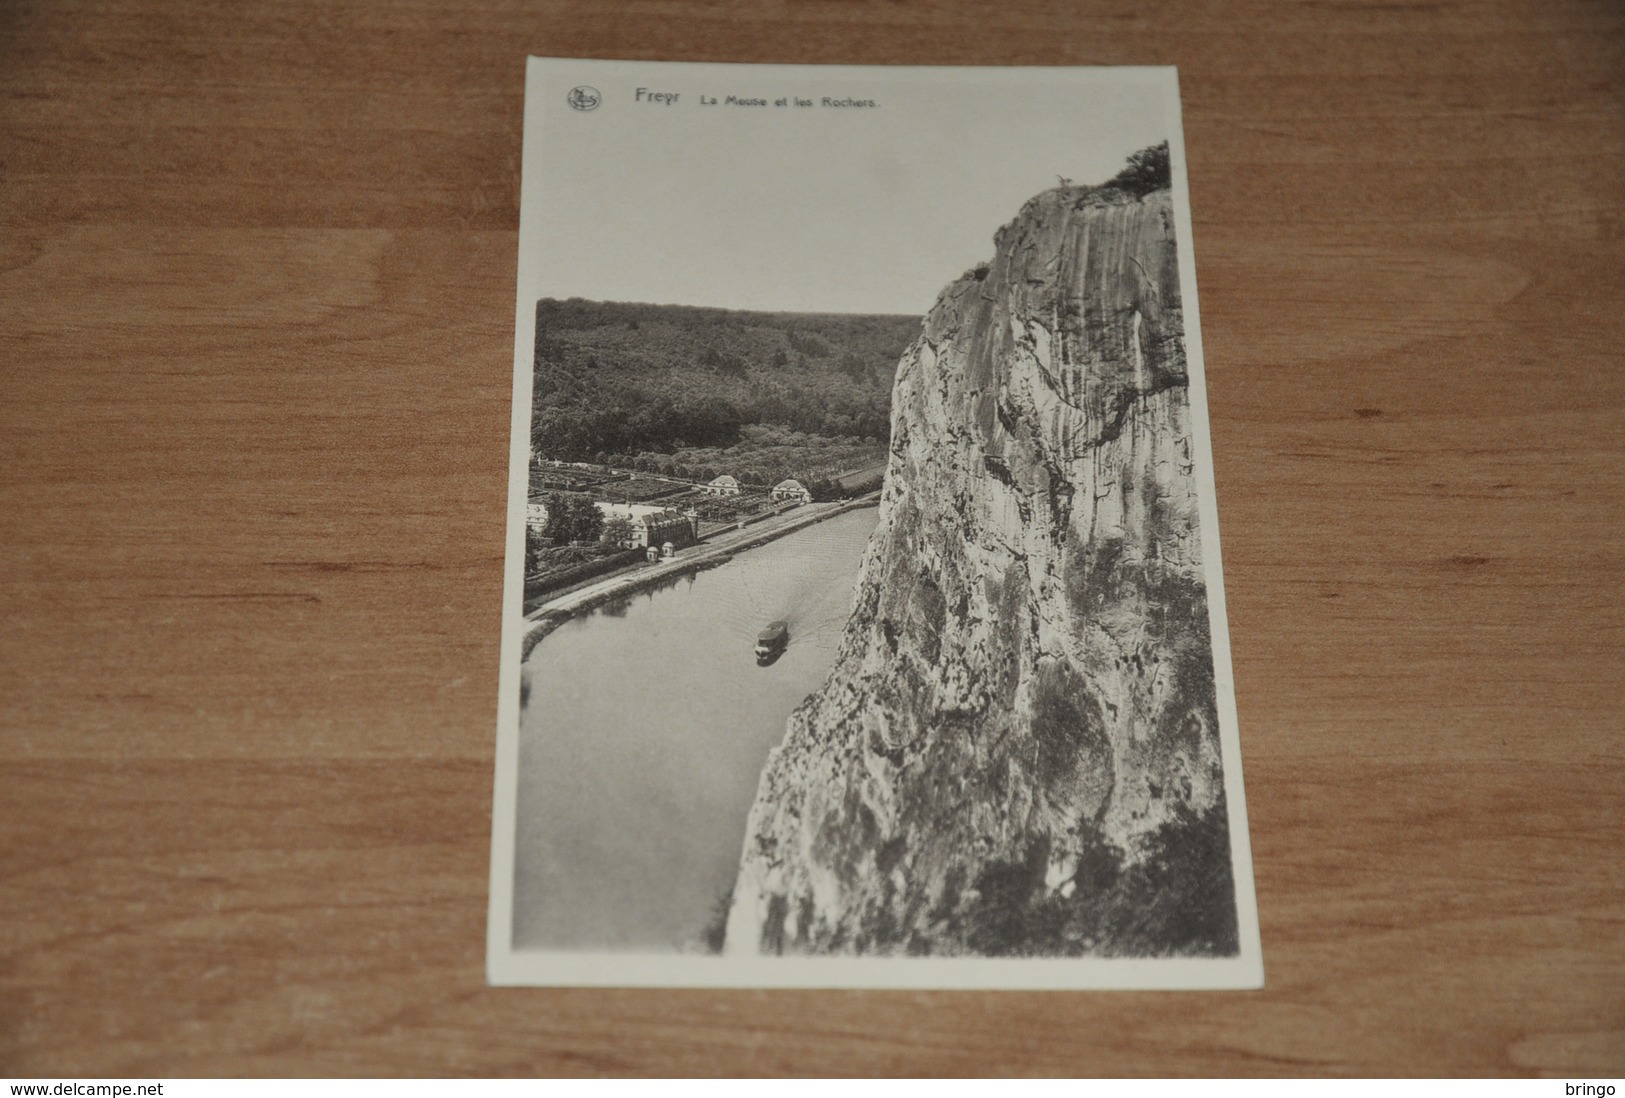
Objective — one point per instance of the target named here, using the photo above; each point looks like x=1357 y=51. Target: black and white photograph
x=864 y=617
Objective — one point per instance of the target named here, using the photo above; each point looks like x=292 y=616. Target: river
x=645 y=734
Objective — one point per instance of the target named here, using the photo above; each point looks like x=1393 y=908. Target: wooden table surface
x=256 y=307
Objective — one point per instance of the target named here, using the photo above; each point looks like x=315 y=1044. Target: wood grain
x=256 y=272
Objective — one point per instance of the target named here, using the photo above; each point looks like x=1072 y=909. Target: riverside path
x=715 y=549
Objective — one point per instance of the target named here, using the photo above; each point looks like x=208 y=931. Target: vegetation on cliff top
x=1148 y=170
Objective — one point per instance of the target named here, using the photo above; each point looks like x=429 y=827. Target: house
x=670 y=530
x=724 y=485
x=627 y=510
x=653 y=526
x=536 y=516
x=791 y=491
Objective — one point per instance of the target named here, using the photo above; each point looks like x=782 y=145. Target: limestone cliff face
x=1017 y=750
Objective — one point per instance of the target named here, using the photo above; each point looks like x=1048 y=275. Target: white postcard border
x=506 y=966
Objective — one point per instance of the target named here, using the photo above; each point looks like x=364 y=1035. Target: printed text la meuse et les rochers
x=671 y=99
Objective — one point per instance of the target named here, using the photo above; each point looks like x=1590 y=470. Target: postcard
x=864 y=621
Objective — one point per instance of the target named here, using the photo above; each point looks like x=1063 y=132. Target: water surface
x=645 y=734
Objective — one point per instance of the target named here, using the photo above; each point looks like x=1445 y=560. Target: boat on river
x=771 y=642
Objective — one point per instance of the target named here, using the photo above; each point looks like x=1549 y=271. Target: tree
x=558 y=522
x=1148 y=170
x=573 y=518
x=533 y=550
x=586 y=520
x=617 y=531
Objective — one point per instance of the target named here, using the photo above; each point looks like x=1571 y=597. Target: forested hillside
x=616 y=380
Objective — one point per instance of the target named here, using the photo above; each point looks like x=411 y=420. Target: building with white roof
x=791 y=491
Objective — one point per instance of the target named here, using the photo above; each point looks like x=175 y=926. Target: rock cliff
x=1017 y=750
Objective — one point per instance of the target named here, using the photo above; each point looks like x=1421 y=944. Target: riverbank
x=719 y=550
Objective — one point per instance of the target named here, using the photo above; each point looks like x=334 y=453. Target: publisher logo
x=584 y=98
